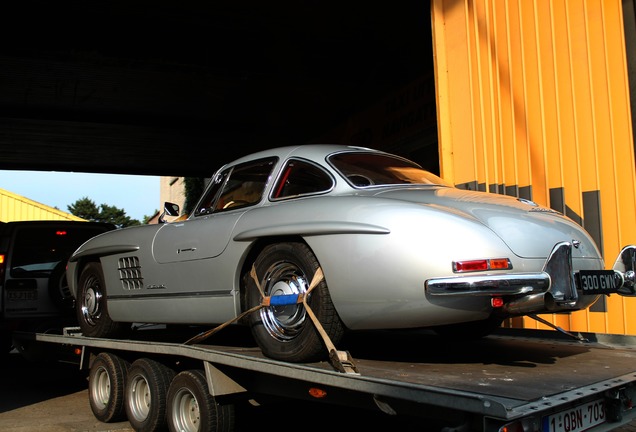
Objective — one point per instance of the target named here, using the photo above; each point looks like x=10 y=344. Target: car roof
x=309 y=151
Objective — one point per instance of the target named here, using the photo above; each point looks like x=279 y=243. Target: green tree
x=193 y=189
x=87 y=209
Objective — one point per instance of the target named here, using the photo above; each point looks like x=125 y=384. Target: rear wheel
x=146 y=393
x=192 y=408
x=92 y=310
x=286 y=332
x=106 y=386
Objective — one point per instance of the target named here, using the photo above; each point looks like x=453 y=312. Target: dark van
x=34 y=293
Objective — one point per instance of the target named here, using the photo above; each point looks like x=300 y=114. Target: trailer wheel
x=146 y=391
x=192 y=408
x=106 y=384
x=287 y=332
x=91 y=307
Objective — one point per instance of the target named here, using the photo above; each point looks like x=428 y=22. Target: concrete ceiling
x=178 y=88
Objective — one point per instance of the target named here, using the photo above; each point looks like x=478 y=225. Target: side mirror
x=170 y=209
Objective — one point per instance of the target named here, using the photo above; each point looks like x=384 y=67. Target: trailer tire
x=146 y=393
x=192 y=408
x=287 y=332
x=106 y=385
x=91 y=305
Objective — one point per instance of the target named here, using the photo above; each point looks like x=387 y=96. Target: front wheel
x=192 y=408
x=286 y=332
x=91 y=307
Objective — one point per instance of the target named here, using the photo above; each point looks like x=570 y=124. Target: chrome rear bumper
x=551 y=290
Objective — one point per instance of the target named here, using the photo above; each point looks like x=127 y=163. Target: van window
x=37 y=250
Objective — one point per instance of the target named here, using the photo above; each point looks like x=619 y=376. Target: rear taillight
x=2 y=264
x=482 y=265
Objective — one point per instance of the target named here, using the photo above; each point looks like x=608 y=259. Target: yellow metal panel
x=521 y=142
x=14 y=207
x=548 y=106
x=456 y=125
x=565 y=108
x=534 y=96
x=505 y=130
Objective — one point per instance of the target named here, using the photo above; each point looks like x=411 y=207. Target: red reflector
x=317 y=393
x=497 y=302
x=467 y=266
x=60 y=232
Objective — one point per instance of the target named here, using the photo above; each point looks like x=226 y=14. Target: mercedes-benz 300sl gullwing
x=305 y=244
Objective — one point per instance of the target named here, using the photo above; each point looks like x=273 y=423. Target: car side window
x=237 y=187
x=206 y=204
x=301 y=178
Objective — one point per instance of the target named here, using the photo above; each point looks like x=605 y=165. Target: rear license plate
x=22 y=295
x=598 y=281
x=576 y=419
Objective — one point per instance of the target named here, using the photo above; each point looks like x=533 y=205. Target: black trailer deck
x=506 y=375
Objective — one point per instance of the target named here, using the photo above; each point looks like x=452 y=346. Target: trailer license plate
x=599 y=281
x=22 y=295
x=576 y=419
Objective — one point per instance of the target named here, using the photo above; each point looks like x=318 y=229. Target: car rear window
x=376 y=169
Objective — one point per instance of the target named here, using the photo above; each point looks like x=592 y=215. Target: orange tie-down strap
x=340 y=360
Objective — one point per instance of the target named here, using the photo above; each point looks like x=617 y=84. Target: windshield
x=373 y=169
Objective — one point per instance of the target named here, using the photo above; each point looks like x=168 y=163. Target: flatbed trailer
x=513 y=380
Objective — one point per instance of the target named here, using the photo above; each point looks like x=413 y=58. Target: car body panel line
x=311 y=228
x=159 y=295
x=103 y=251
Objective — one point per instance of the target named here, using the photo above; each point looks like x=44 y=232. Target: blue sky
x=138 y=196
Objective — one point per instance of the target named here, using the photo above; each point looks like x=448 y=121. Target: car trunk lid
x=514 y=220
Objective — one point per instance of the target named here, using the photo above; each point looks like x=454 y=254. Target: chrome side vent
x=130 y=273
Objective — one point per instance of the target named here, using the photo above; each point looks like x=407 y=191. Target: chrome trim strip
x=488 y=285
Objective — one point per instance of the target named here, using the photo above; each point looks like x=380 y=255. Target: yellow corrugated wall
x=533 y=98
x=14 y=207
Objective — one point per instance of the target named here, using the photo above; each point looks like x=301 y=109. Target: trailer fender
x=219 y=383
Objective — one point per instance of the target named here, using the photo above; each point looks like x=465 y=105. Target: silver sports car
x=303 y=244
